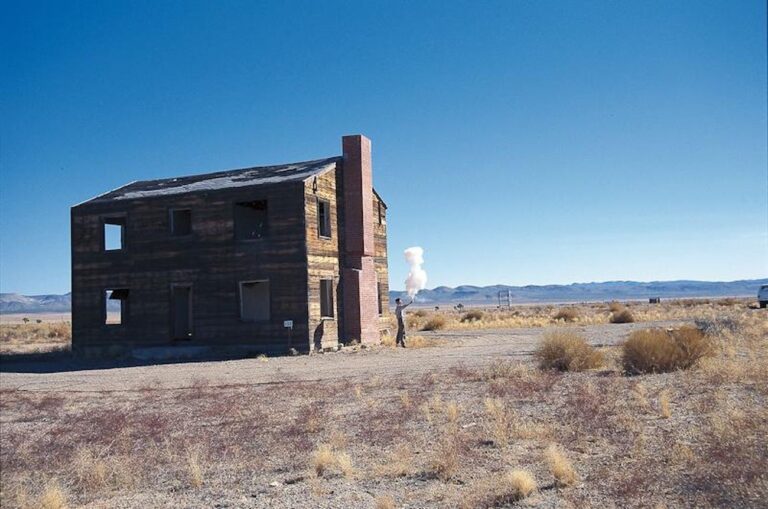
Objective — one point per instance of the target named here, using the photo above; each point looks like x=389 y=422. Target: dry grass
x=662 y=351
x=421 y=342
x=452 y=412
x=194 y=468
x=566 y=315
x=498 y=423
x=35 y=337
x=384 y=502
x=473 y=315
x=388 y=340
x=567 y=351
x=435 y=322
x=444 y=462
x=521 y=483
x=623 y=316
x=53 y=498
x=323 y=459
x=500 y=490
x=326 y=460
x=664 y=409
x=583 y=314
x=398 y=463
x=560 y=466
x=444 y=437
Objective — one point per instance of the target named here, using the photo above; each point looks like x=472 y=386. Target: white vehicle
x=762 y=296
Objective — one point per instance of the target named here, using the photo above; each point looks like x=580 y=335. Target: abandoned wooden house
x=263 y=259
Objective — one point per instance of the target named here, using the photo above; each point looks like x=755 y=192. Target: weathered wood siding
x=210 y=259
x=380 y=247
x=322 y=259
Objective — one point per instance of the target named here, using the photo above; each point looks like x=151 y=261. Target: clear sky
x=516 y=141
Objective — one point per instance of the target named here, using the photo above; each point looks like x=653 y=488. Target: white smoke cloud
x=417 y=278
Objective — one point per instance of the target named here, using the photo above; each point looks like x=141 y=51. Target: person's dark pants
x=400 y=332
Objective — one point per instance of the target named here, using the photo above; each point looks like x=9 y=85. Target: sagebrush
x=661 y=351
x=567 y=351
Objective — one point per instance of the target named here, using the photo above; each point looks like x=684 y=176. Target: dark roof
x=262 y=175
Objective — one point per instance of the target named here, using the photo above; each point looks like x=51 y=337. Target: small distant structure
x=505 y=298
x=654 y=300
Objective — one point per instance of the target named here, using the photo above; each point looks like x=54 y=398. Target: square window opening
x=254 y=301
x=114 y=233
x=115 y=306
x=326 y=298
x=251 y=220
x=324 y=218
x=181 y=222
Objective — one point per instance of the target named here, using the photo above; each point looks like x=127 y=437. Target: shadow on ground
x=62 y=361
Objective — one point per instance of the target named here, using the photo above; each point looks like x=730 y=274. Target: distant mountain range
x=15 y=303
x=488 y=295
x=587 y=292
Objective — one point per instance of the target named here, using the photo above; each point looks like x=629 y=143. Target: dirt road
x=461 y=347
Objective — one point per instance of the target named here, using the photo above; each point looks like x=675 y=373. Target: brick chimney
x=359 y=288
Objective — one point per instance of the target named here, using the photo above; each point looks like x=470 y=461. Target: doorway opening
x=181 y=311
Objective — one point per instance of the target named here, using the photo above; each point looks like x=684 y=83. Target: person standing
x=400 y=314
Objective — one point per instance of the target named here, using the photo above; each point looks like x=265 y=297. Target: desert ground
x=476 y=413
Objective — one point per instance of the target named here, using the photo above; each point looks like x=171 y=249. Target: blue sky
x=518 y=142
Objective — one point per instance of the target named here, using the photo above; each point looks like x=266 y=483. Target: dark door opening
x=181 y=311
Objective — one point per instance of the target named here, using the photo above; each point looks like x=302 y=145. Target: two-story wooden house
x=262 y=259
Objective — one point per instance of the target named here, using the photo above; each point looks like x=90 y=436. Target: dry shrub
x=444 y=461
x=420 y=313
x=52 y=497
x=499 y=421
x=567 y=351
x=560 y=466
x=310 y=418
x=325 y=459
x=623 y=316
x=567 y=315
x=421 y=342
x=452 y=412
x=615 y=307
x=398 y=463
x=474 y=315
x=60 y=330
x=521 y=483
x=664 y=409
x=388 y=340
x=499 y=490
x=435 y=322
x=500 y=369
x=405 y=400
x=194 y=468
x=662 y=351
x=95 y=471
x=344 y=464
x=384 y=502
x=501 y=424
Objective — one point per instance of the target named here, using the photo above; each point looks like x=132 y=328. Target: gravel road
x=465 y=347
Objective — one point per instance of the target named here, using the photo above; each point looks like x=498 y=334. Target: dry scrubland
x=564 y=427
x=34 y=337
x=548 y=315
